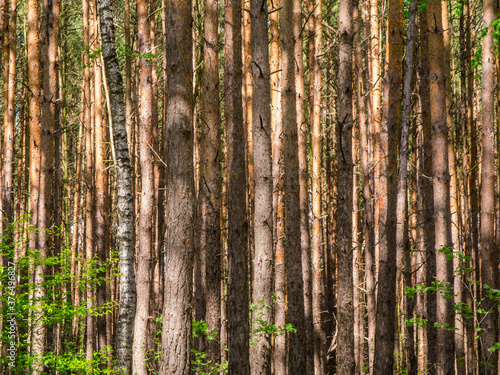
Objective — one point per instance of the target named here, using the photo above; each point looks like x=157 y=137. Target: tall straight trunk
x=176 y=336
x=371 y=174
x=125 y=206
x=6 y=176
x=302 y=132
x=102 y=228
x=454 y=201
x=426 y=198
x=280 y=305
x=4 y=7
x=345 y=303
x=237 y=242
x=262 y=268
x=4 y=54
x=488 y=254
x=88 y=30
x=37 y=187
x=293 y=257
x=9 y=128
x=366 y=232
x=441 y=178
x=403 y=248
x=209 y=201
x=318 y=259
x=143 y=277
x=158 y=193
x=472 y=186
x=248 y=115
x=386 y=298
x=376 y=78
x=464 y=294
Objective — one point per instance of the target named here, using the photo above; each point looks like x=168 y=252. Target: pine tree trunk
x=426 y=198
x=302 y=132
x=403 y=249
x=176 y=336
x=386 y=298
x=37 y=186
x=371 y=172
x=209 y=201
x=102 y=227
x=262 y=268
x=88 y=36
x=318 y=259
x=293 y=258
x=237 y=240
x=345 y=303
x=145 y=234
x=441 y=178
x=9 y=127
x=488 y=254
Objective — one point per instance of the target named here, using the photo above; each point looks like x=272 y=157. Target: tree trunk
x=345 y=303
x=88 y=37
x=318 y=260
x=125 y=205
x=403 y=248
x=102 y=228
x=237 y=242
x=9 y=127
x=302 y=132
x=426 y=197
x=374 y=121
x=209 y=201
x=293 y=257
x=488 y=255
x=143 y=277
x=262 y=268
x=441 y=177
x=386 y=298
x=38 y=191
x=176 y=336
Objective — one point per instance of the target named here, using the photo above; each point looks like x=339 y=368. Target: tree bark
x=209 y=195
x=345 y=303
x=488 y=254
x=386 y=298
x=88 y=37
x=262 y=269
x=293 y=257
x=237 y=242
x=102 y=229
x=125 y=204
x=318 y=259
x=38 y=192
x=176 y=336
x=441 y=178
x=143 y=277
x=302 y=132
x=403 y=248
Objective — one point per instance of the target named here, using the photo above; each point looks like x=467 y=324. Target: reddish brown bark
x=386 y=298
x=209 y=200
x=145 y=232
x=237 y=240
x=488 y=254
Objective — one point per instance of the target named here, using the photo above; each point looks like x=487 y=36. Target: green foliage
x=422 y=7
x=54 y=307
x=125 y=51
x=262 y=326
x=200 y=363
x=204 y=367
x=446 y=291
